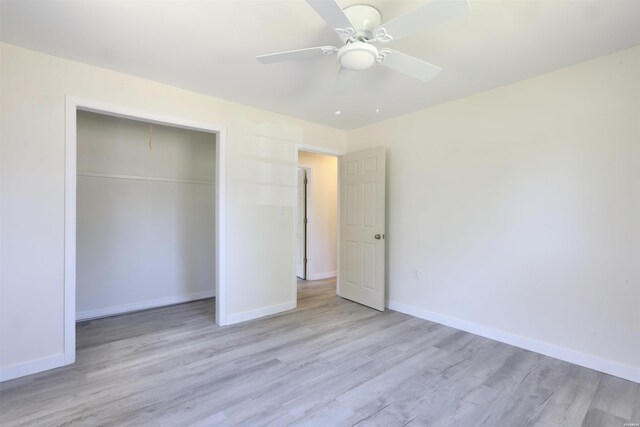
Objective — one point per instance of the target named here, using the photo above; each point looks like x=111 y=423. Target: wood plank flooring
x=329 y=362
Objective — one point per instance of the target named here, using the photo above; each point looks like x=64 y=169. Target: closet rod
x=144 y=178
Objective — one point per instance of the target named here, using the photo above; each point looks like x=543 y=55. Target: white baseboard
x=588 y=361
x=320 y=276
x=260 y=312
x=143 y=305
x=32 y=367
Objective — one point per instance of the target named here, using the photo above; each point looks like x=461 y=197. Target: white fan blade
x=332 y=13
x=432 y=13
x=410 y=66
x=311 y=52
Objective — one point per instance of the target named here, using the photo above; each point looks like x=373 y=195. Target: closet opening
x=144 y=215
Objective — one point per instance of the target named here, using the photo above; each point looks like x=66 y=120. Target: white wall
x=323 y=215
x=261 y=149
x=520 y=209
x=141 y=241
x=518 y=206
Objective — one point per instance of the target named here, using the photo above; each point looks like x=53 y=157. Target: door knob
x=377 y=237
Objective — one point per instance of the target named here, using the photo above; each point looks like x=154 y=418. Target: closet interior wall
x=145 y=215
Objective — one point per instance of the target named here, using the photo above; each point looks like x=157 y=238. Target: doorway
x=73 y=105
x=359 y=182
x=317 y=216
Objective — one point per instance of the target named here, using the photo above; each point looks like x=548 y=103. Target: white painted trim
x=338 y=249
x=72 y=105
x=260 y=312
x=32 y=367
x=142 y=305
x=294 y=281
x=221 y=228
x=141 y=116
x=325 y=275
x=70 y=233
x=308 y=198
x=143 y=178
x=318 y=150
x=588 y=361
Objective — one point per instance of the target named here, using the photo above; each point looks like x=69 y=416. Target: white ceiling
x=210 y=47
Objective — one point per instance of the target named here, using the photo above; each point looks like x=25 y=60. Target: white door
x=362 y=244
x=301 y=229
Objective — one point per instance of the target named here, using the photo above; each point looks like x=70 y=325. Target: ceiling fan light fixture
x=357 y=56
x=359 y=25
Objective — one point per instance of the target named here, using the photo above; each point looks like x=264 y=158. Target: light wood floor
x=330 y=362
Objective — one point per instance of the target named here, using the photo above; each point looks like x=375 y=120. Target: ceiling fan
x=359 y=26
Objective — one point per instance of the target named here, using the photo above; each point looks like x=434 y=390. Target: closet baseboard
x=142 y=305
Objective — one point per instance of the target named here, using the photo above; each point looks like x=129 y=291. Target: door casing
x=307 y=214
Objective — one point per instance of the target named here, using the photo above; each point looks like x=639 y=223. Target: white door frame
x=325 y=152
x=307 y=209
x=73 y=104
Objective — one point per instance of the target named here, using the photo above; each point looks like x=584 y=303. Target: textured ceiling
x=210 y=47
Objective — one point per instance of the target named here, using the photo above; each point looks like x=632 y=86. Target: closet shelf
x=144 y=178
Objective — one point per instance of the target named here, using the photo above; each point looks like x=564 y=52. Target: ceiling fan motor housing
x=358 y=55
x=364 y=19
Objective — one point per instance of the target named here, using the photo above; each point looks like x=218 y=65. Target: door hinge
x=305 y=220
x=305 y=260
x=306 y=181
